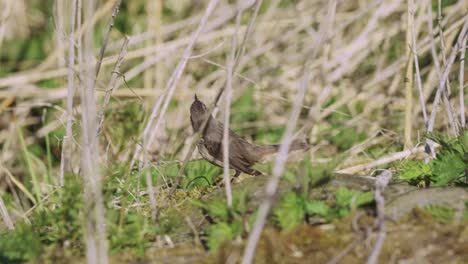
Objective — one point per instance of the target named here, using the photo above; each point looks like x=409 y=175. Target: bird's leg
x=235 y=175
x=220 y=183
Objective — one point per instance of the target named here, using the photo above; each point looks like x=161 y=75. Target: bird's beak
x=196 y=98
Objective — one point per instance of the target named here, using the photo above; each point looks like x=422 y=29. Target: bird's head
x=198 y=112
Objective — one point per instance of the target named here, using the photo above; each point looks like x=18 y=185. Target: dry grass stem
x=112 y=83
x=382 y=161
x=106 y=36
x=227 y=112
x=422 y=101
x=380 y=183
x=272 y=185
x=461 y=83
x=409 y=80
x=95 y=224
x=445 y=73
x=65 y=162
x=59 y=17
x=5 y=215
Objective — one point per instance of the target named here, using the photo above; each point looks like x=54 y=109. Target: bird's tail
x=297 y=144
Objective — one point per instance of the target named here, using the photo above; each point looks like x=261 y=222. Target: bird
x=242 y=154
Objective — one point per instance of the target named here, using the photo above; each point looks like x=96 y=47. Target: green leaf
x=414 y=171
x=352 y=199
x=363 y=198
x=290 y=211
x=447 y=168
x=343 y=197
x=221 y=232
x=315 y=207
x=216 y=208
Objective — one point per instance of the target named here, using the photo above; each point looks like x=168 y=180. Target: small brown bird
x=242 y=154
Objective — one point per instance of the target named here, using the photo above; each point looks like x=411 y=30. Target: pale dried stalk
x=65 y=162
x=59 y=31
x=445 y=73
x=7 y=7
x=227 y=112
x=149 y=188
x=95 y=223
x=443 y=48
x=380 y=183
x=461 y=80
x=153 y=20
x=112 y=82
x=272 y=185
x=172 y=83
x=408 y=80
x=106 y=36
x=422 y=101
x=5 y=215
x=258 y=4
x=102 y=11
x=382 y=161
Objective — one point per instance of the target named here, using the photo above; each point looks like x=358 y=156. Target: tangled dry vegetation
x=365 y=94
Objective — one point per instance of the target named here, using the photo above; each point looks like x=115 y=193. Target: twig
x=258 y=4
x=58 y=10
x=445 y=74
x=408 y=80
x=95 y=223
x=435 y=59
x=112 y=82
x=422 y=101
x=278 y=169
x=461 y=80
x=382 y=161
x=5 y=215
x=150 y=189
x=6 y=14
x=65 y=162
x=227 y=112
x=380 y=183
x=106 y=36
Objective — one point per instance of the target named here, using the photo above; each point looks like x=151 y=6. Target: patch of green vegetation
x=340 y=134
x=243 y=109
x=346 y=138
x=296 y=206
x=449 y=167
x=445 y=3
x=226 y=223
x=414 y=172
x=123 y=122
x=200 y=173
x=137 y=234
x=295 y=209
x=58 y=226
x=396 y=48
x=21 y=245
x=442 y=214
x=52 y=225
x=269 y=135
